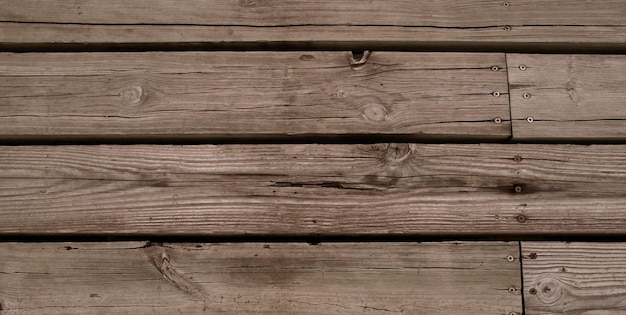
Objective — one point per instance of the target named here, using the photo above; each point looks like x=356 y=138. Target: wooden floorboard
x=568 y=97
x=574 y=278
x=256 y=278
x=252 y=95
x=467 y=25
x=380 y=189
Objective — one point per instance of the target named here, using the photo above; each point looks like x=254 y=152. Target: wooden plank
x=379 y=24
x=248 y=278
x=574 y=278
x=380 y=189
x=216 y=95
x=569 y=97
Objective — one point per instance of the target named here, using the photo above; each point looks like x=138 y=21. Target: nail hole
x=507 y=28
x=496 y=94
x=526 y=95
x=520 y=218
x=532 y=291
x=495 y=68
x=530 y=119
x=510 y=258
x=512 y=290
x=498 y=120
x=532 y=255
x=522 y=67
x=505 y=4
x=517 y=158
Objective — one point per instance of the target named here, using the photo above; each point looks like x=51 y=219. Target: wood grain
x=569 y=97
x=574 y=278
x=252 y=95
x=249 y=278
x=379 y=24
x=305 y=190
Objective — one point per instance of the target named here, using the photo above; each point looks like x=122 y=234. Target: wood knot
x=549 y=290
x=570 y=87
x=307 y=57
x=133 y=95
x=374 y=112
x=398 y=152
x=247 y=3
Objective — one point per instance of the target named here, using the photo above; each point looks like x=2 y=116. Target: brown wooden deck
x=319 y=157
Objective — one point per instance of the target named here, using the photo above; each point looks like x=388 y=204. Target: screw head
x=517 y=188
x=497 y=120
x=522 y=67
x=495 y=68
x=520 y=218
x=530 y=119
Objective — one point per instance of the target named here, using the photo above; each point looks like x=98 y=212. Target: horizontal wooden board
x=574 y=278
x=568 y=97
x=216 y=95
x=248 y=278
x=380 y=189
x=472 y=24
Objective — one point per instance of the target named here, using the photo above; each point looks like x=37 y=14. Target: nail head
x=521 y=218
x=532 y=291
x=496 y=94
x=530 y=119
x=498 y=120
x=510 y=258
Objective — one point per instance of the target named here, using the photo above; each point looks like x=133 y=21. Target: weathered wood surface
x=216 y=95
x=569 y=97
x=248 y=278
x=380 y=189
x=380 y=24
x=574 y=278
